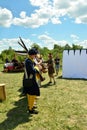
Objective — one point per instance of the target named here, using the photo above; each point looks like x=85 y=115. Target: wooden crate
x=2 y=92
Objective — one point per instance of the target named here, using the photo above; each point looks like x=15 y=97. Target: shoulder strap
x=26 y=75
x=25 y=70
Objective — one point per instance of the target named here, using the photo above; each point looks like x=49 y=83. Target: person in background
x=57 y=64
x=51 y=70
x=33 y=91
x=7 y=60
x=15 y=61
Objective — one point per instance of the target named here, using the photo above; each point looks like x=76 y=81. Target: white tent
x=74 y=64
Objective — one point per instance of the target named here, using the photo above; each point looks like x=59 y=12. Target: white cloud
x=40 y=3
x=77 y=41
x=6 y=43
x=82 y=19
x=48 y=11
x=5 y=17
x=64 y=4
x=55 y=20
x=74 y=36
x=49 y=42
x=83 y=43
x=33 y=22
x=78 y=11
x=46 y=41
x=23 y=14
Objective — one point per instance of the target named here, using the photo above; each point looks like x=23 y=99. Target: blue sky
x=46 y=23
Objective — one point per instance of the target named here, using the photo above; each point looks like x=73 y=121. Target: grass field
x=61 y=107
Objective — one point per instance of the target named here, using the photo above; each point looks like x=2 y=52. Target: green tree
x=67 y=47
x=36 y=46
x=76 y=47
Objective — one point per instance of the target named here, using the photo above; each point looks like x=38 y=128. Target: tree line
x=57 y=50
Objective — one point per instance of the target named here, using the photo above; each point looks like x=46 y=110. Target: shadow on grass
x=46 y=85
x=16 y=116
x=60 y=77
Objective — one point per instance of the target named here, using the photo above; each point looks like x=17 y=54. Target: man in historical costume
x=31 y=91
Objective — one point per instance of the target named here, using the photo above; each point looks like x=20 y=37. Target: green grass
x=61 y=107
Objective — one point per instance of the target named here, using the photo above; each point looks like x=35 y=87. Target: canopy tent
x=74 y=64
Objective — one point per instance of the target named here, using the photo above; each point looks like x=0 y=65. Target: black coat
x=34 y=90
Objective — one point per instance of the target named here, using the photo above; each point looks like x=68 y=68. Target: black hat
x=32 y=51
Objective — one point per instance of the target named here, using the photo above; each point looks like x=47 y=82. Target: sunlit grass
x=61 y=107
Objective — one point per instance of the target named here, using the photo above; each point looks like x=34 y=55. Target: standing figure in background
x=57 y=64
x=51 y=70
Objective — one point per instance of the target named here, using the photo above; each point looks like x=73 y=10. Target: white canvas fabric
x=74 y=64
